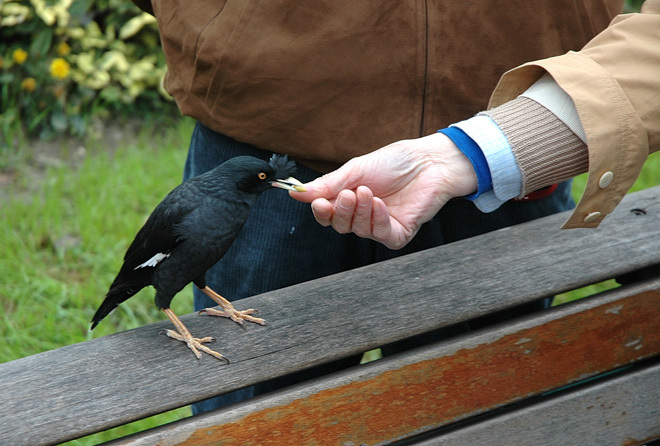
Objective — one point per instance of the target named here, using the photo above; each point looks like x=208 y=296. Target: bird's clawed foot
x=229 y=311
x=196 y=344
x=182 y=334
x=235 y=315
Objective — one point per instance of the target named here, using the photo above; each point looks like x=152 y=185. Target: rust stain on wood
x=635 y=442
x=434 y=392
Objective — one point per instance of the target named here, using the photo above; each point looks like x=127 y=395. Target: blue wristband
x=473 y=152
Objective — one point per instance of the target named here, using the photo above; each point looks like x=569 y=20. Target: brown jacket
x=614 y=82
x=325 y=81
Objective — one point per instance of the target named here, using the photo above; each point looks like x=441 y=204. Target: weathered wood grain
x=623 y=411
x=109 y=381
x=400 y=397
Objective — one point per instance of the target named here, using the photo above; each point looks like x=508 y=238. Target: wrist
x=471 y=150
x=461 y=175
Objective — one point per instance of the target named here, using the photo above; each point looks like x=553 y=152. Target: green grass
x=66 y=227
x=65 y=230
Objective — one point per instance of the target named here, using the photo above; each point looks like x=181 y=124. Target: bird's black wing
x=153 y=243
x=158 y=235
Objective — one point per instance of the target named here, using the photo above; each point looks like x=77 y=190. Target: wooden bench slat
x=116 y=379
x=396 y=398
x=619 y=411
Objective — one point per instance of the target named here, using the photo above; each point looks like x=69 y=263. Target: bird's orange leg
x=182 y=334
x=229 y=311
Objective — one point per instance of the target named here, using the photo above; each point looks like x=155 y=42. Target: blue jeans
x=280 y=227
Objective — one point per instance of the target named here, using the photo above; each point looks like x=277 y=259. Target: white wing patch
x=155 y=260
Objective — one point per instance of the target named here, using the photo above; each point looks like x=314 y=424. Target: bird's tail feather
x=119 y=291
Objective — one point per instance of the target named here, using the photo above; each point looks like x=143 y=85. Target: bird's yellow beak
x=289 y=184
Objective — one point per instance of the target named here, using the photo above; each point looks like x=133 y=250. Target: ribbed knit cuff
x=546 y=150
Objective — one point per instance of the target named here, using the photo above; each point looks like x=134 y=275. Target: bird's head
x=255 y=175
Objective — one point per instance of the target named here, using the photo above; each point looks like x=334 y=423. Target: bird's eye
x=262 y=176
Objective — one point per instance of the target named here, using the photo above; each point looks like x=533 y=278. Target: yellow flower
x=59 y=68
x=20 y=56
x=63 y=49
x=29 y=84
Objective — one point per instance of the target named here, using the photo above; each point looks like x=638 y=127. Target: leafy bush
x=63 y=62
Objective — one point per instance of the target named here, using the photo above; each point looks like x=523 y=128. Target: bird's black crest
x=283 y=166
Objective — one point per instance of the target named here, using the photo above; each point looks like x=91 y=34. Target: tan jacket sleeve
x=614 y=82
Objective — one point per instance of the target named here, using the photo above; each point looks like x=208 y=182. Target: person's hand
x=388 y=194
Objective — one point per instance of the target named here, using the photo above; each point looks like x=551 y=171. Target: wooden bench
x=583 y=373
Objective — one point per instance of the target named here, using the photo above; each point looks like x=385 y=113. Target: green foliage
x=632 y=5
x=63 y=62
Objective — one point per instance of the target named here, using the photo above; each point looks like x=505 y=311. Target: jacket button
x=606 y=179
x=592 y=216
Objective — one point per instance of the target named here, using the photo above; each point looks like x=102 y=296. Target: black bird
x=188 y=232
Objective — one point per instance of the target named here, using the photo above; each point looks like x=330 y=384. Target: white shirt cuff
x=506 y=176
